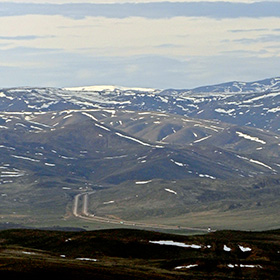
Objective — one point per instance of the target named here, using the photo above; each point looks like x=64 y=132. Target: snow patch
x=171 y=191
x=262 y=164
x=248 y=137
x=90 y=116
x=179 y=244
x=109 y=202
x=256 y=162
x=13 y=174
x=108 y=88
x=2 y=94
x=207 y=176
x=138 y=141
x=273 y=110
x=143 y=182
x=116 y=157
x=223 y=111
x=25 y=158
x=202 y=139
x=103 y=127
x=186 y=266
x=244 y=249
x=49 y=164
x=28 y=253
x=226 y=248
x=178 y=163
x=86 y=259
x=68 y=116
x=244 y=265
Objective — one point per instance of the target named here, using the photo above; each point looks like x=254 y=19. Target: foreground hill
x=132 y=254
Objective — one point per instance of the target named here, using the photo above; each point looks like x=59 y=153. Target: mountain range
x=254 y=104
x=213 y=148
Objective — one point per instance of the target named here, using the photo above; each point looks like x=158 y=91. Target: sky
x=175 y=44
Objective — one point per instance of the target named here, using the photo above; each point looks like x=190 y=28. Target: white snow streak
x=25 y=158
x=90 y=116
x=244 y=249
x=262 y=164
x=244 y=265
x=226 y=248
x=187 y=266
x=248 y=137
x=137 y=140
x=143 y=182
x=109 y=202
x=257 y=162
x=202 y=139
x=103 y=127
x=173 y=243
x=178 y=163
x=171 y=191
x=49 y=164
x=86 y=259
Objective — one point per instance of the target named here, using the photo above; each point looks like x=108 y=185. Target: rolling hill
x=216 y=147
x=127 y=254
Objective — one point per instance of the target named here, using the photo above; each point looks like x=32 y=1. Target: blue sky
x=175 y=44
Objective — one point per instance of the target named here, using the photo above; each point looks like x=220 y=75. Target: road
x=84 y=214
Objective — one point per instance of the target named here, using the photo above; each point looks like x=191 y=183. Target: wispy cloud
x=146 y=10
x=57 y=68
x=168 y=46
x=23 y=38
x=249 y=30
x=163 y=45
x=261 y=39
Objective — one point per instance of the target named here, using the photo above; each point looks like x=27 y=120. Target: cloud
x=261 y=39
x=168 y=46
x=146 y=10
x=249 y=30
x=56 y=68
x=44 y=67
x=22 y=38
x=125 y=1
x=162 y=45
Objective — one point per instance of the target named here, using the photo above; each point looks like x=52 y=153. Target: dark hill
x=127 y=254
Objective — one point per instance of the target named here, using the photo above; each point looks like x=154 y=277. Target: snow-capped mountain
x=263 y=86
x=255 y=104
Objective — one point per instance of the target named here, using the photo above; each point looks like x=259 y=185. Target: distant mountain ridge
x=255 y=104
x=262 y=86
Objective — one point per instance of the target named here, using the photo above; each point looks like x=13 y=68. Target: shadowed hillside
x=127 y=254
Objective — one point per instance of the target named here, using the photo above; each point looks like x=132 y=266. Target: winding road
x=83 y=213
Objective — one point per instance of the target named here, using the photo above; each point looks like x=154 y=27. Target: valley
x=84 y=214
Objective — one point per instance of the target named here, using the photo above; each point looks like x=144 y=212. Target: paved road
x=84 y=214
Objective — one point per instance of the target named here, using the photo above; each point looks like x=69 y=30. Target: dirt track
x=84 y=214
